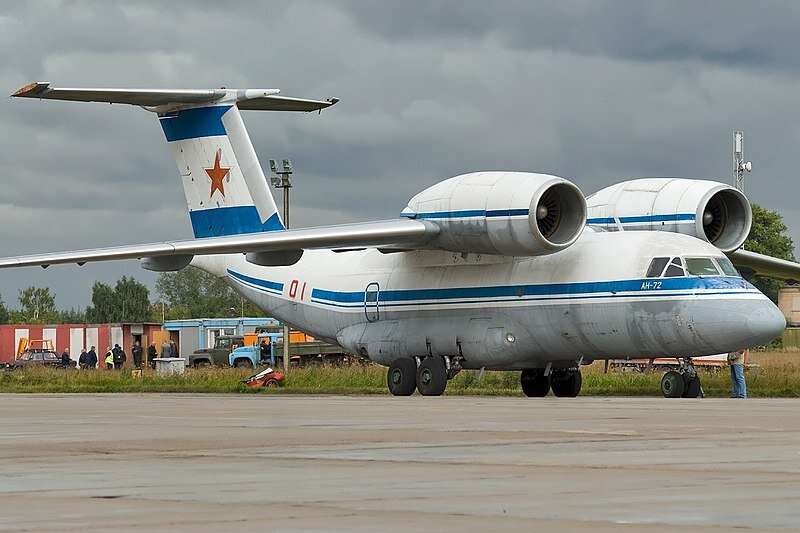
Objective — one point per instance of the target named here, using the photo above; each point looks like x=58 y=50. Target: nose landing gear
x=684 y=383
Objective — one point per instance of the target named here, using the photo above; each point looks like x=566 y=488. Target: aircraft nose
x=766 y=322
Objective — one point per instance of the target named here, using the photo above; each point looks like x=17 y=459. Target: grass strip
x=774 y=376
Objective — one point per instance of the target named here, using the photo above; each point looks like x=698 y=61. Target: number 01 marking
x=293 y=289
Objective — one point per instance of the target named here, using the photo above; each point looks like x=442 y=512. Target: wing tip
x=33 y=89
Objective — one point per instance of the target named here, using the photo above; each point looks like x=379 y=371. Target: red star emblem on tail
x=217 y=174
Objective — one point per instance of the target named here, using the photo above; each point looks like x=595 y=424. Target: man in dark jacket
x=152 y=353
x=91 y=358
x=66 y=362
x=136 y=351
x=119 y=357
x=83 y=359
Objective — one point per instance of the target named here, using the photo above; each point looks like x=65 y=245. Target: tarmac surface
x=176 y=462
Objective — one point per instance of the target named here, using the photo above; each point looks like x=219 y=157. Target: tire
x=672 y=385
x=243 y=363
x=534 y=383
x=402 y=377
x=271 y=383
x=691 y=388
x=432 y=376
x=566 y=383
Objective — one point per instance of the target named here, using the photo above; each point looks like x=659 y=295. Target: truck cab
x=218 y=355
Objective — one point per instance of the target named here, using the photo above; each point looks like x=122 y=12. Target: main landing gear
x=537 y=382
x=682 y=384
x=429 y=375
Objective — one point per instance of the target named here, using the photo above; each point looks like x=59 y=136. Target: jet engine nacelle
x=504 y=213
x=709 y=210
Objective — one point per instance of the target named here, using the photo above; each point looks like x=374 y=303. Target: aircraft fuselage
x=590 y=301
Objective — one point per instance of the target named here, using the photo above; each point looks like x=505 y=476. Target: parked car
x=36 y=357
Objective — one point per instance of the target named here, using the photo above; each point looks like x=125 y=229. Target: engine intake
x=708 y=210
x=504 y=213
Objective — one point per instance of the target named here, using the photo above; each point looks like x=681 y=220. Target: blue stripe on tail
x=194 y=123
x=231 y=221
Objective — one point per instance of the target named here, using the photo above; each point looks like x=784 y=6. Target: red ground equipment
x=266 y=378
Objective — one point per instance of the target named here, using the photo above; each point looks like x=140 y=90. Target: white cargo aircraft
x=490 y=270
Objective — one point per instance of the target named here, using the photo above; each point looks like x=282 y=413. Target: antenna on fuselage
x=739 y=164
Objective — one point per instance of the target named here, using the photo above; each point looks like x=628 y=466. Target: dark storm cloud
x=737 y=32
x=593 y=91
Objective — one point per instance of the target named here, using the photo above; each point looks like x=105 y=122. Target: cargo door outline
x=372 y=295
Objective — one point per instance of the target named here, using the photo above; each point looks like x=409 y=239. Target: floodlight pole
x=740 y=166
x=284 y=182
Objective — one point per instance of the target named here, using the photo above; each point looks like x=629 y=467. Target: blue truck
x=268 y=350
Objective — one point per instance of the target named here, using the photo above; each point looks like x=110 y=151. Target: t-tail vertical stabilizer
x=226 y=190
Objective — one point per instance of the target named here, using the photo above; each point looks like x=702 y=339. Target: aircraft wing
x=254 y=99
x=393 y=233
x=764 y=265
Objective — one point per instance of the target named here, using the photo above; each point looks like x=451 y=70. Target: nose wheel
x=682 y=384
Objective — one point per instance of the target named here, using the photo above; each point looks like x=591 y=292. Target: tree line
x=190 y=293
x=193 y=293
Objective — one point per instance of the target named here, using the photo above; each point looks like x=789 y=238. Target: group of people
x=115 y=358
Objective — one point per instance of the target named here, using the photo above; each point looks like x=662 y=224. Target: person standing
x=165 y=348
x=83 y=359
x=91 y=358
x=109 y=359
x=736 y=362
x=136 y=352
x=173 y=349
x=66 y=362
x=152 y=353
x=119 y=357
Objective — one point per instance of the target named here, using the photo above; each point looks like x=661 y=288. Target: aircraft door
x=372 y=301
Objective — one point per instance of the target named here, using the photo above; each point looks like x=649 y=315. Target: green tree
x=767 y=236
x=37 y=306
x=128 y=301
x=71 y=316
x=4 y=314
x=102 y=308
x=133 y=299
x=193 y=293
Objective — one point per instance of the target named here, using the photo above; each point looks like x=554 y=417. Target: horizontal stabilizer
x=401 y=232
x=250 y=99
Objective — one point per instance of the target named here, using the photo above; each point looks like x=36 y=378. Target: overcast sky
x=596 y=92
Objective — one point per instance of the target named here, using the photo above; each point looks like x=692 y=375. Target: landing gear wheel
x=534 y=383
x=401 y=377
x=672 y=385
x=431 y=376
x=691 y=387
x=566 y=383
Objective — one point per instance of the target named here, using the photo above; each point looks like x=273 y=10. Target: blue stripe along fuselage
x=270 y=286
x=194 y=123
x=644 y=287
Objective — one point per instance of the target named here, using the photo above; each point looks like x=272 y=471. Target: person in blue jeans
x=736 y=362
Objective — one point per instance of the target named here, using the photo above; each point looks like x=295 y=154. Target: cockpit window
x=727 y=267
x=657 y=267
x=675 y=269
x=701 y=266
